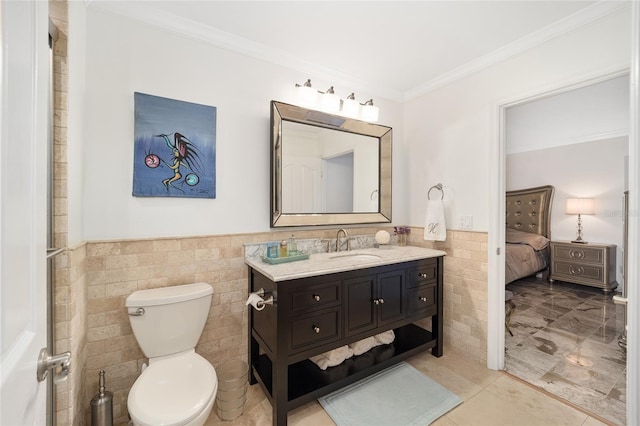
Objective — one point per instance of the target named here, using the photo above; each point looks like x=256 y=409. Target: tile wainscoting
x=102 y=274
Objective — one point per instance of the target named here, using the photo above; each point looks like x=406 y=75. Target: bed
x=528 y=232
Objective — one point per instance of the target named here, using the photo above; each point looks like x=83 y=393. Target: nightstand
x=588 y=264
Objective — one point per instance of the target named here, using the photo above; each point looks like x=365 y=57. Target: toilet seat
x=172 y=391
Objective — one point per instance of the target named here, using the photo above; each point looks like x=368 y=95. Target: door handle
x=48 y=362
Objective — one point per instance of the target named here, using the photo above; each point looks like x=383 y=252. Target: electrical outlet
x=465 y=222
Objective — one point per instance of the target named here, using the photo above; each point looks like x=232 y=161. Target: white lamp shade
x=370 y=113
x=307 y=95
x=330 y=102
x=580 y=206
x=350 y=107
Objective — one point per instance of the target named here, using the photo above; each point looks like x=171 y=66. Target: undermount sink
x=356 y=256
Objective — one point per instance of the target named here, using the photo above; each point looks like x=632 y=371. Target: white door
x=23 y=149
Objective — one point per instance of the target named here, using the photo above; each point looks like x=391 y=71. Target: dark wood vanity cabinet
x=316 y=314
x=373 y=301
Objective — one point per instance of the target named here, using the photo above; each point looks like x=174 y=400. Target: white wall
x=598 y=111
x=451 y=131
x=592 y=170
x=122 y=57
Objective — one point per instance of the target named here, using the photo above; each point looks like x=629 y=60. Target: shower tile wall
x=117 y=268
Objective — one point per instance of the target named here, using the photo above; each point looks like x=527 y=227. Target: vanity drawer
x=423 y=274
x=421 y=299
x=315 y=329
x=316 y=297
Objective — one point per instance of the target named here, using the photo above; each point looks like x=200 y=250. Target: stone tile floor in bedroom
x=490 y=398
x=565 y=341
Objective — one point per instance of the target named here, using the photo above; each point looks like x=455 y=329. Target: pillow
x=537 y=242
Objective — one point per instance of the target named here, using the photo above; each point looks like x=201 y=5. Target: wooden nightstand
x=589 y=264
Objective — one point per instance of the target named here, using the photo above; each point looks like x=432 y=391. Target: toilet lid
x=172 y=391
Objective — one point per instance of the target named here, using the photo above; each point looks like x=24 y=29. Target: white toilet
x=179 y=386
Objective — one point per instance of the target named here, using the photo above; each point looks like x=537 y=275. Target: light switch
x=465 y=222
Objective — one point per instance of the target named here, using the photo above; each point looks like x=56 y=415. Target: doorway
x=337 y=187
x=497 y=338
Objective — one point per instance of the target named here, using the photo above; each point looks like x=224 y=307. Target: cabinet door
x=390 y=296
x=360 y=314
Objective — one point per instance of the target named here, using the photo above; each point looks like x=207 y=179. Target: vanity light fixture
x=580 y=206
x=330 y=102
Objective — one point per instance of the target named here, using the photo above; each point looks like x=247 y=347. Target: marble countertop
x=329 y=263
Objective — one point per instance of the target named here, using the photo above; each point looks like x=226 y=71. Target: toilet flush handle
x=138 y=313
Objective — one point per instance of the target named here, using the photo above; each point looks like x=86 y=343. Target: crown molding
x=572 y=22
x=203 y=33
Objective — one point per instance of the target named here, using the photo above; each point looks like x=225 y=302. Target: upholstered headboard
x=529 y=210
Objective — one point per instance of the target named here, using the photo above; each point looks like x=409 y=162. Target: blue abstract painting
x=174 y=148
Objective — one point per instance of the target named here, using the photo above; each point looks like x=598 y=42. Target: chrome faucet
x=346 y=235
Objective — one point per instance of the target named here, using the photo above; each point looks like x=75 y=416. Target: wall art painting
x=174 y=148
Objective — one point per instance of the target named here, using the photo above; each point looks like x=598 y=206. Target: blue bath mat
x=399 y=395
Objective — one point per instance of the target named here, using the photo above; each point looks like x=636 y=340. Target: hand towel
x=434 y=226
x=385 y=338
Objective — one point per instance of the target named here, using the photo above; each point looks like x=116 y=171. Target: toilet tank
x=169 y=320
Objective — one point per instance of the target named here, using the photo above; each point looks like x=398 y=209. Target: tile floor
x=491 y=398
x=565 y=341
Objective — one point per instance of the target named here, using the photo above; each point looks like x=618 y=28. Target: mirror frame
x=285 y=112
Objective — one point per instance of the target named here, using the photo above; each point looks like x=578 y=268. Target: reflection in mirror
x=324 y=171
x=328 y=170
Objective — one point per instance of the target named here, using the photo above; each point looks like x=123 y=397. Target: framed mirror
x=328 y=169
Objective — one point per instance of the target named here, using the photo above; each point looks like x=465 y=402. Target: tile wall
x=465 y=288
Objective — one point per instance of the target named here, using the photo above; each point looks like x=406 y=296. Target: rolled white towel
x=385 y=338
x=332 y=358
x=339 y=354
x=320 y=361
x=362 y=346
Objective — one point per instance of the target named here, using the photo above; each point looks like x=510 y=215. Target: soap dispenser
x=292 y=247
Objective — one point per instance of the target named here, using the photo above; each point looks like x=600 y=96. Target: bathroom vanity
x=331 y=300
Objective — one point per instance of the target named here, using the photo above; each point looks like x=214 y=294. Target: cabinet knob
x=316 y=329
x=381 y=300
x=316 y=297
x=576 y=270
x=376 y=302
x=422 y=275
x=576 y=254
x=422 y=299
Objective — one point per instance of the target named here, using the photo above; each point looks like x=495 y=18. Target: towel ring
x=439 y=188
